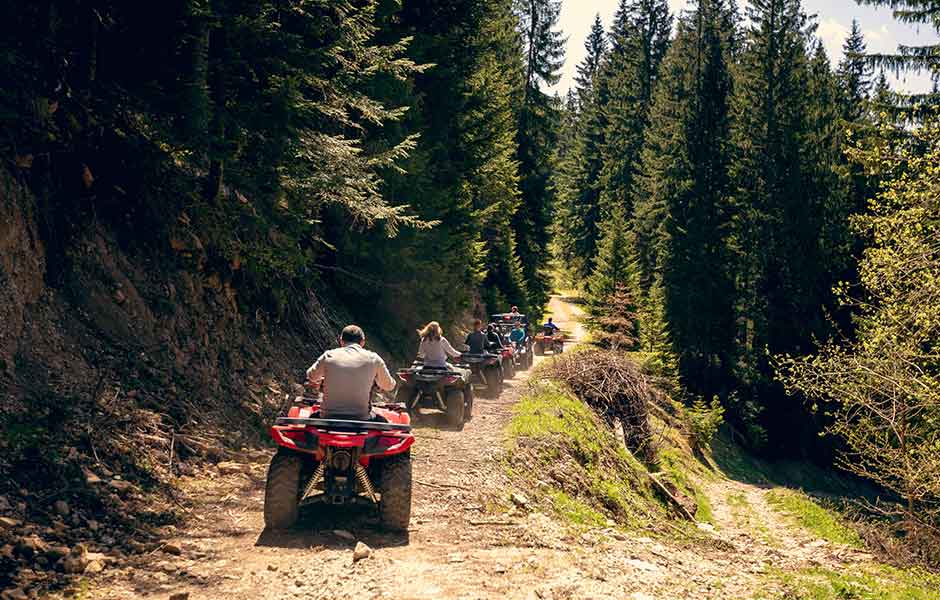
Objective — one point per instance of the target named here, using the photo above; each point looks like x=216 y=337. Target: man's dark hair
x=352 y=334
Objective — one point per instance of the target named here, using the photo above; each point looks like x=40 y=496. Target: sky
x=834 y=17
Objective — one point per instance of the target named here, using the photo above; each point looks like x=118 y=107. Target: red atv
x=507 y=356
x=486 y=369
x=436 y=387
x=339 y=461
x=545 y=341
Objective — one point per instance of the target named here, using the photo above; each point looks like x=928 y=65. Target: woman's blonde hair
x=431 y=331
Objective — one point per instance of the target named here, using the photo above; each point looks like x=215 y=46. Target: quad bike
x=523 y=356
x=507 y=357
x=436 y=387
x=339 y=461
x=486 y=369
x=554 y=342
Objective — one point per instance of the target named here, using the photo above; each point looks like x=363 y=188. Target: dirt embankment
x=119 y=363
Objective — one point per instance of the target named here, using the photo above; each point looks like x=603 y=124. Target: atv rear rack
x=343 y=424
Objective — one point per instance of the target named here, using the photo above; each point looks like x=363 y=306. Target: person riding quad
x=517 y=335
x=494 y=341
x=347 y=374
x=434 y=348
x=476 y=339
x=550 y=328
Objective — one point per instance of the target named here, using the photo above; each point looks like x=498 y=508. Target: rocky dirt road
x=468 y=540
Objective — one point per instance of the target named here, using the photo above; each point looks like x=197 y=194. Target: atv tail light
x=301 y=438
x=451 y=379
x=386 y=441
x=405 y=376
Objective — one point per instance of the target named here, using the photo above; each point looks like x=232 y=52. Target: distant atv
x=549 y=341
x=438 y=388
x=505 y=322
x=486 y=369
x=340 y=461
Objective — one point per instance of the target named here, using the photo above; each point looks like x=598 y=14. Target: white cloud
x=833 y=34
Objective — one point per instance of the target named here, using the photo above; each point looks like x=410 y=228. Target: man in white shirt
x=347 y=374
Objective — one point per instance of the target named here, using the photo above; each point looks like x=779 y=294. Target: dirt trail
x=462 y=544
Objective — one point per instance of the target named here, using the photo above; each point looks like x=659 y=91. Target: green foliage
x=882 y=387
x=816 y=519
x=555 y=437
x=704 y=420
x=864 y=583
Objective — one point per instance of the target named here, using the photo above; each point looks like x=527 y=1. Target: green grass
x=860 y=583
x=818 y=520
x=677 y=467
x=574 y=510
x=552 y=430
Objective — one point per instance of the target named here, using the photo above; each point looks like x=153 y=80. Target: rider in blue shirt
x=550 y=328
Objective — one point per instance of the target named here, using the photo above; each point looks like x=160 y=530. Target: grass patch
x=556 y=439
x=862 y=583
x=574 y=510
x=677 y=467
x=820 y=521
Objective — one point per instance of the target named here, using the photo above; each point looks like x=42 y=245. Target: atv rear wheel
x=395 y=487
x=509 y=368
x=494 y=381
x=455 y=408
x=468 y=403
x=538 y=349
x=282 y=490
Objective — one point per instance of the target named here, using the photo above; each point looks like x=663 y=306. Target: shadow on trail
x=317 y=524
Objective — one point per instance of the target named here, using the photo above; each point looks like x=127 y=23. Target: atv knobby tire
x=468 y=403
x=509 y=368
x=395 y=488
x=494 y=381
x=282 y=490
x=455 y=408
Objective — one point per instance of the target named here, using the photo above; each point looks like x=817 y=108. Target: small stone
x=179 y=596
x=272 y=568
x=706 y=527
x=642 y=565
x=499 y=569
x=342 y=533
x=5 y=504
x=519 y=499
x=233 y=468
x=171 y=548
x=94 y=567
x=120 y=485
x=91 y=478
x=61 y=507
x=361 y=551
x=92 y=525
x=300 y=583
x=76 y=560
x=8 y=523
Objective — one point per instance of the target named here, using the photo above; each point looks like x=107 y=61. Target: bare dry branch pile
x=617 y=390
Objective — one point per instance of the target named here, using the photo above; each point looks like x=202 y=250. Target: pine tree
x=655 y=340
x=681 y=212
x=537 y=132
x=778 y=229
x=579 y=201
x=916 y=59
x=640 y=38
x=854 y=75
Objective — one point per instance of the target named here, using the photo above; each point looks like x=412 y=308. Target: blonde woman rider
x=434 y=347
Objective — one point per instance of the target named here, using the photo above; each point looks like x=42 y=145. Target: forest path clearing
x=467 y=540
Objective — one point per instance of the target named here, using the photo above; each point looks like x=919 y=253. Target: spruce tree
x=681 y=212
x=580 y=210
x=640 y=38
x=854 y=75
x=538 y=122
